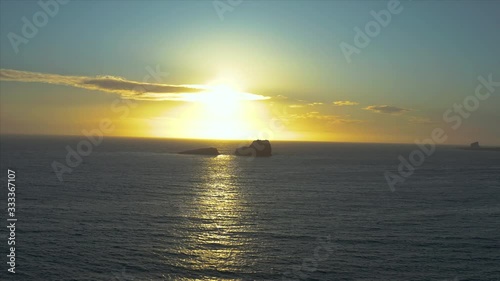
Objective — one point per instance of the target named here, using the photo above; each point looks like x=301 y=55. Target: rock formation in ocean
x=475 y=145
x=258 y=148
x=202 y=151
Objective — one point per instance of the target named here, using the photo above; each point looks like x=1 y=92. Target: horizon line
x=236 y=140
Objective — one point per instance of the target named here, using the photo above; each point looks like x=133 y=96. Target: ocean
x=134 y=209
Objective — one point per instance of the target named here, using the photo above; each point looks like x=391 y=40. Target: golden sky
x=176 y=69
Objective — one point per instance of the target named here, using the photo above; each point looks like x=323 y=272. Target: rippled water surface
x=136 y=210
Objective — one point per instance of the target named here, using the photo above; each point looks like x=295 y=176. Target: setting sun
x=223 y=101
x=221 y=112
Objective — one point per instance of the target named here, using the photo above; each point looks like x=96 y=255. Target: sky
x=252 y=69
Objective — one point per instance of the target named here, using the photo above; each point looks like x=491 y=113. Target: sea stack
x=202 y=151
x=475 y=145
x=258 y=148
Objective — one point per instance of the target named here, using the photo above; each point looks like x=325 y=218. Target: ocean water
x=136 y=210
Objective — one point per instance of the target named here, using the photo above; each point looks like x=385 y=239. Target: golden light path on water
x=216 y=245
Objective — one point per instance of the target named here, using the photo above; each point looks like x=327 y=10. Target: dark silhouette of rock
x=202 y=151
x=258 y=148
x=475 y=145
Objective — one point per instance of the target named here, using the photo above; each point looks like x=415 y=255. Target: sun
x=220 y=112
x=221 y=101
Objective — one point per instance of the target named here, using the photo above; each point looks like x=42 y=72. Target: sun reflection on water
x=217 y=239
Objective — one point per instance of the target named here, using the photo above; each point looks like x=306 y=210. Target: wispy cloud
x=421 y=120
x=387 y=109
x=126 y=88
x=302 y=103
x=315 y=103
x=295 y=103
x=330 y=119
x=344 y=103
